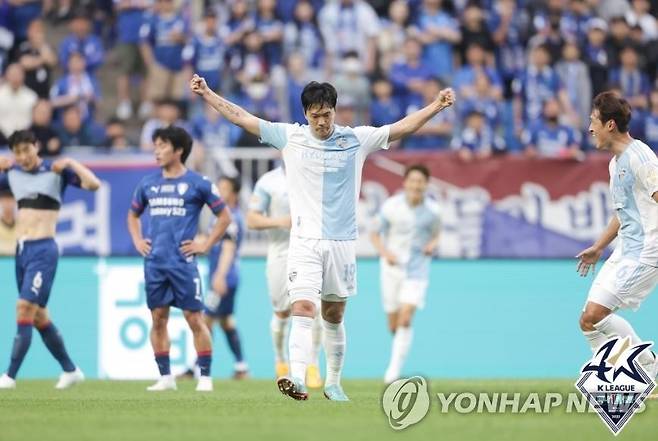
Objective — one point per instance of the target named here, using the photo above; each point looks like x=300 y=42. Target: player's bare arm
x=378 y=243
x=88 y=180
x=411 y=123
x=587 y=258
x=191 y=248
x=259 y=221
x=232 y=112
x=430 y=246
x=143 y=246
x=219 y=284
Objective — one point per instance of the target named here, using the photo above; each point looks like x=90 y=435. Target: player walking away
x=630 y=273
x=224 y=260
x=269 y=210
x=38 y=186
x=407 y=238
x=175 y=197
x=323 y=171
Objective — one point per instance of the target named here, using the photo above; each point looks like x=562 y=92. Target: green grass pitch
x=255 y=410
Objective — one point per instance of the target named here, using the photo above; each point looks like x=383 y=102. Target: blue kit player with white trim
x=38 y=186
x=224 y=263
x=631 y=273
x=323 y=172
x=175 y=197
x=407 y=238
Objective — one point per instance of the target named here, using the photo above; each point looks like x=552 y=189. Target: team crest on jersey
x=292 y=276
x=182 y=188
x=622 y=173
x=341 y=142
x=614 y=383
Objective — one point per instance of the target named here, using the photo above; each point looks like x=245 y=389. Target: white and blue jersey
x=633 y=181
x=174 y=206
x=324 y=176
x=406 y=229
x=270 y=197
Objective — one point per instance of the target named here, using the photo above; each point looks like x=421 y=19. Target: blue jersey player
x=175 y=197
x=224 y=260
x=38 y=185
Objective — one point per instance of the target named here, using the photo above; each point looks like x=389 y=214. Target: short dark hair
x=419 y=168
x=236 y=183
x=612 y=106
x=319 y=94
x=21 y=137
x=178 y=137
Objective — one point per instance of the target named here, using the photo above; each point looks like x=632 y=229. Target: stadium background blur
x=512 y=166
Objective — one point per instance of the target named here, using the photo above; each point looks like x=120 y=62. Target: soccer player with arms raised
x=38 y=186
x=323 y=171
x=630 y=274
x=175 y=197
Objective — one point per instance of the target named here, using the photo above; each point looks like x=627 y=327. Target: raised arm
x=88 y=180
x=232 y=112
x=411 y=123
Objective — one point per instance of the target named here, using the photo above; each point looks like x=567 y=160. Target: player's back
x=633 y=180
x=270 y=197
x=407 y=229
x=324 y=176
x=174 y=206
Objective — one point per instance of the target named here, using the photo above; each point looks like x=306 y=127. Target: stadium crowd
x=524 y=71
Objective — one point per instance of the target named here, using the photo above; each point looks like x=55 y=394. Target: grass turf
x=255 y=410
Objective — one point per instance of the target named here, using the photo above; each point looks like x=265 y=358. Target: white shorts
x=321 y=269
x=398 y=289
x=277 y=282
x=623 y=284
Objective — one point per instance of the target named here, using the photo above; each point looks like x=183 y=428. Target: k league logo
x=614 y=383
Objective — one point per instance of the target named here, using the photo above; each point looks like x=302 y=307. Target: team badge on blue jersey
x=182 y=188
x=614 y=383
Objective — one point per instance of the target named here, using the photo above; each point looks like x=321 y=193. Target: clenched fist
x=446 y=98
x=198 y=85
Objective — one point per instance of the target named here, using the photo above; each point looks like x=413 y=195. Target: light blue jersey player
x=269 y=209
x=224 y=263
x=38 y=186
x=323 y=172
x=408 y=235
x=174 y=199
x=631 y=273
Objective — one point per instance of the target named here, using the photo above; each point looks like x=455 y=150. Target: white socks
x=279 y=331
x=317 y=340
x=615 y=325
x=299 y=346
x=334 y=350
x=401 y=344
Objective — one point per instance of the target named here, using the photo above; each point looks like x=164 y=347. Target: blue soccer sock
x=55 y=344
x=233 y=340
x=204 y=359
x=162 y=359
x=21 y=345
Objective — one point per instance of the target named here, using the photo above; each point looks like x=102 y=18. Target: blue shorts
x=178 y=286
x=226 y=305
x=36 y=265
